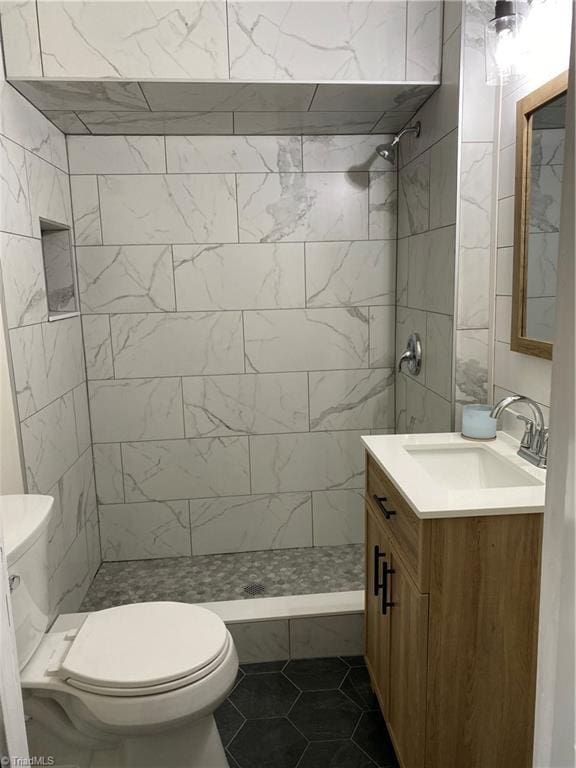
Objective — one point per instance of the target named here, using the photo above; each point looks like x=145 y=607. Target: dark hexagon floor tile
x=354 y=661
x=263 y=666
x=323 y=715
x=266 y=695
x=231 y=762
x=358 y=687
x=372 y=736
x=334 y=754
x=316 y=674
x=228 y=720
x=268 y=743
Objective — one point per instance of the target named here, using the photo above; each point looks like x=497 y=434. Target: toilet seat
x=143 y=649
x=170 y=685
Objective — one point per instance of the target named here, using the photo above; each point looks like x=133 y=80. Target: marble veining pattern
x=46 y=358
x=239 y=276
x=306 y=206
x=152 y=39
x=313 y=461
x=180 y=469
x=283 y=40
x=146 y=530
x=108 y=473
x=351 y=399
x=110 y=155
x=236 y=376
x=245 y=404
x=350 y=273
x=241 y=524
x=228 y=154
x=126 y=278
x=177 y=344
x=223 y=577
x=301 y=340
x=86 y=210
x=23 y=276
x=97 y=346
x=175 y=208
x=124 y=410
x=220 y=107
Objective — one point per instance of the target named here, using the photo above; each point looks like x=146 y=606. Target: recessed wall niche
x=58 y=270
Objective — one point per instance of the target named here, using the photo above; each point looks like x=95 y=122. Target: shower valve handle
x=412 y=356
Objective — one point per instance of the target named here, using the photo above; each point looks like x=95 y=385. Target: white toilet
x=139 y=681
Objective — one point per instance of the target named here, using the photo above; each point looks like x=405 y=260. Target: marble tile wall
x=427 y=206
x=47 y=359
x=390 y=40
x=237 y=298
x=446 y=223
x=477 y=209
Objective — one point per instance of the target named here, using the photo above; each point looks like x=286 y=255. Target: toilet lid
x=144 y=645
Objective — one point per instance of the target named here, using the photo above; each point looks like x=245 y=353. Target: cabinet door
x=377 y=629
x=408 y=666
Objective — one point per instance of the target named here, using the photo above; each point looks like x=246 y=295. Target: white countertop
x=431 y=498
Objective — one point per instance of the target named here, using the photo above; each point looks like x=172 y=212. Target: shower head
x=388 y=151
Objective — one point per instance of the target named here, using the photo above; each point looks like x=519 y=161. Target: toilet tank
x=24 y=521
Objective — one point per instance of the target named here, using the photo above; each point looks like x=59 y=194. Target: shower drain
x=254 y=589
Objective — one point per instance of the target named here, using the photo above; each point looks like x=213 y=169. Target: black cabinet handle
x=377 y=556
x=385 y=602
x=380 y=504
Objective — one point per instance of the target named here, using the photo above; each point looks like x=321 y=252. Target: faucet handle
x=528 y=436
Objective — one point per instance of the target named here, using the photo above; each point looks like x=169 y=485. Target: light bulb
x=505 y=54
x=502 y=64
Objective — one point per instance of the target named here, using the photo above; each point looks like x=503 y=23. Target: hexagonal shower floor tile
x=308 y=713
x=209 y=578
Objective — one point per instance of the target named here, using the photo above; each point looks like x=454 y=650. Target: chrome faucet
x=534 y=443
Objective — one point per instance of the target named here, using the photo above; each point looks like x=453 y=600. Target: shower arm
x=409 y=129
x=383 y=148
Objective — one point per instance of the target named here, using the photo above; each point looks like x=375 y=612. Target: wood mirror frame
x=525 y=108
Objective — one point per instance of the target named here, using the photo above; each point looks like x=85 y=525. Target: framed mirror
x=540 y=121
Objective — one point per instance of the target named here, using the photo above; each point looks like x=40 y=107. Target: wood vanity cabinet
x=451 y=631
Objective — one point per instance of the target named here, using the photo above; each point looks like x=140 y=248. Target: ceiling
x=177 y=107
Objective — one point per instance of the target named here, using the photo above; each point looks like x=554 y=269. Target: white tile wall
x=301 y=340
x=246 y=523
x=238 y=276
x=284 y=40
x=154 y=39
x=426 y=254
x=303 y=206
x=327 y=636
x=135 y=278
x=236 y=375
x=311 y=461
x=338 y=517
x=47 y=358
x=177 y=344
x=245 y=404
x=174 y=208
x=136 y=409
x=186 y=469
x=147 y=530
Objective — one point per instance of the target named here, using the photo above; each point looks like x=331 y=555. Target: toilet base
x=196 y=745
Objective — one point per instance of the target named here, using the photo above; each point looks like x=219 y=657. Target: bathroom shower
x=388 y=150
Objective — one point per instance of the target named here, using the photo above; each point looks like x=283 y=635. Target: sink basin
x=468 y=467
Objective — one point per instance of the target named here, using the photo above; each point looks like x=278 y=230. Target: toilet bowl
x=140 y=682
